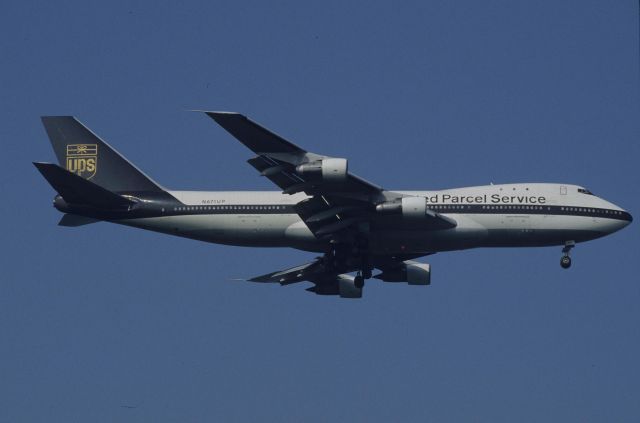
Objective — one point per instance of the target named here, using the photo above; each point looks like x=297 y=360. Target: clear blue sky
x=421 y=95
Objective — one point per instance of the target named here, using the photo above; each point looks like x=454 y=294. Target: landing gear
x=336 y=258
x=565 y=261
x=350 y=256
x=362 y=249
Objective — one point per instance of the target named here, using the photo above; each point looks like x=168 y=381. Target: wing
x=338 y=200
x=318 y=270
x=325 y=280
x=329 y=281
x=278 y=160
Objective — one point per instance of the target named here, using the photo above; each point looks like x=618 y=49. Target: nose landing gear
x=565 y=261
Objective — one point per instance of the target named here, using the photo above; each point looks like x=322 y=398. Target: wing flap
x=292 y=275
x=280 y=173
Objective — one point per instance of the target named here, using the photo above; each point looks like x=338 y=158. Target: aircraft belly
x=492 y=230
x=230 y=229
x=539 y=230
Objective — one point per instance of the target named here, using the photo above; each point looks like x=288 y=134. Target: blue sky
x=418 y=95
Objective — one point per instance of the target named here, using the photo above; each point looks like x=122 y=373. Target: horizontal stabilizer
x=74 y=220
x=77 y=190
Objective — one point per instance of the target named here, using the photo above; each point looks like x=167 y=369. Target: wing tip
x=44 y=166
x=212 y=113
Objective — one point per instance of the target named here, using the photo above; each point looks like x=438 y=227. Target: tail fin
x=77 y=190
x=82 y=152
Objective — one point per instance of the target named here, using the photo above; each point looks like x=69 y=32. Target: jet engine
x=347 y=287
x=409 y=207
x=343 y=285
x=328 y=170
x=415 y=210
x=409 y=271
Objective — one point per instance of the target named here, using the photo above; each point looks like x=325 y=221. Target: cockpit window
x=585 y=191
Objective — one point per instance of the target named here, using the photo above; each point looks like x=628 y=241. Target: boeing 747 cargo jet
x=359 y=227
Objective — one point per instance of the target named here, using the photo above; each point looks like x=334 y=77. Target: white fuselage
x=487 y=216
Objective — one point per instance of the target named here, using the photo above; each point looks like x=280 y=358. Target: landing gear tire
x=565 y=262
x=359 y=282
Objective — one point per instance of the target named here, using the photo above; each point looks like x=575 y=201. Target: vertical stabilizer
x=82 y=152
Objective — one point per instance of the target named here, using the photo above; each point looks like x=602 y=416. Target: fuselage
x=509 y=215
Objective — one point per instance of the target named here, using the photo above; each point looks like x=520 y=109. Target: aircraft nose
x=624 y=216
x=620 y=219
x=614 y=219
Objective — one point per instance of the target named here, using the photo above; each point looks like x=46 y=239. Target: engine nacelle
x=347 y=287
x=412 y=272
x=329 y=170
x=409 y=207
x=343 y=285
x=414 y=207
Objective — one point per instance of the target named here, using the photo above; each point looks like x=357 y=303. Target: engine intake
x=409 y=271
x=328 y=170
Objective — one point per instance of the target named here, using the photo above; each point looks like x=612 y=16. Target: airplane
x=357 y=226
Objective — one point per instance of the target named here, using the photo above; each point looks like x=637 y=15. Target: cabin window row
x=589 y=210
x=515 y=207
x=240 y=208
x=485 y=207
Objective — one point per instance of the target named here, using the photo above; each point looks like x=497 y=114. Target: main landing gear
x=365 y=273
x=343 y=257
x=565 y=261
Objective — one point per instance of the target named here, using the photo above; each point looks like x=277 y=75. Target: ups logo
x=82 y=159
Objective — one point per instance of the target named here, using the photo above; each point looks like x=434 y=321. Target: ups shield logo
x=82 y=159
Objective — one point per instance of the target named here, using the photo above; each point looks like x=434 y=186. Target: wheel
x=565 y=262
x=358 y=282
